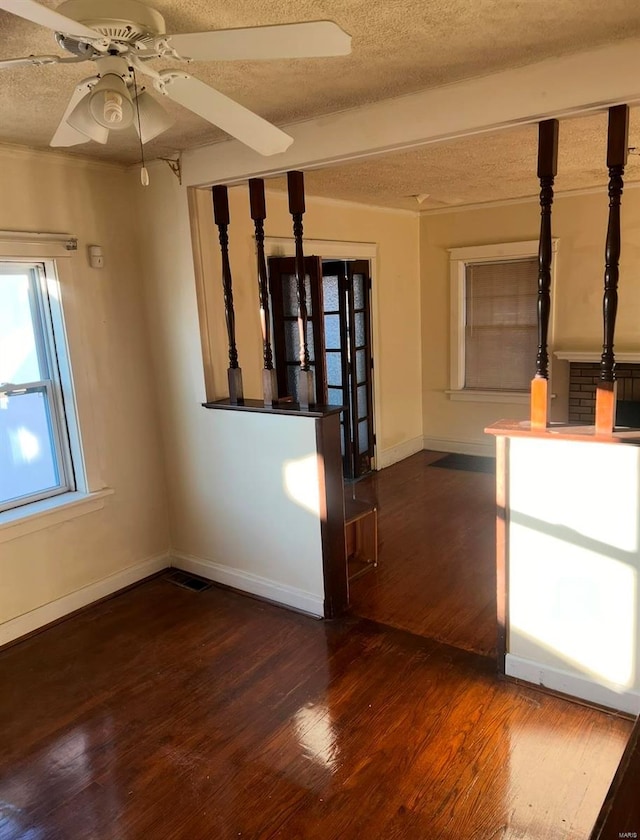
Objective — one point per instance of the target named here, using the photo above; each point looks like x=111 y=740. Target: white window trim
x=37 y=516
x=58 y=251
x=458 y=260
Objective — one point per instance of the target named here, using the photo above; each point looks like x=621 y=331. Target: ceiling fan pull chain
x=144 y=172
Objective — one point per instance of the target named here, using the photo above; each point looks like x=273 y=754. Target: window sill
x=39 y=515
x=468 y=395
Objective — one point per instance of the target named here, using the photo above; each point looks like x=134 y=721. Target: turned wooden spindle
x=306 y=389
x=259 y=214
x=221 y=218
x=617 y=148
x=547 y=169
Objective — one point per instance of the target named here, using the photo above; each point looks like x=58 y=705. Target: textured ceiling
x=485 y=167
x=399 y=46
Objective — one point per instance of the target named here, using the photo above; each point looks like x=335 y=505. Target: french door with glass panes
x=346 y=287
x=286 y=337
x=339 y=339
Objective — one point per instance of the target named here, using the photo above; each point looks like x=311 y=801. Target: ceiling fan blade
x=66 y=135
x=232 y=117
x=291 y=40
x=30 y=10
x=35 y=60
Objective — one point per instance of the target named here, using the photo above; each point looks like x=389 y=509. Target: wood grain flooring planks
x=164 y=713
x=436 y=572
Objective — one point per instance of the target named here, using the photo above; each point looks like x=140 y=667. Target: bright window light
x=35 y=451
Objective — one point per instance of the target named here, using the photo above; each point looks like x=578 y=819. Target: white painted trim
x=54 y=610
x=590 y=80
x=328 y=249
x=457 y=318
x=468 y=395
x=594 y=356
x=573 y=685
x=36 y=245
x=272 y=590
x=403 y=450
x=20 y=521
x=499 y=251
x=462 y=447
x=459 y=258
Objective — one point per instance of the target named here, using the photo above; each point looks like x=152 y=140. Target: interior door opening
x=340 y=346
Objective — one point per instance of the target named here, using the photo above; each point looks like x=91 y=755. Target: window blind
x=501 y=324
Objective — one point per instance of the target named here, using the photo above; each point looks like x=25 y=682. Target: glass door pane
x=359 y=284
x=336 y=353
x=286 y=331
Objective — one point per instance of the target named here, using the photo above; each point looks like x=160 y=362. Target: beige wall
x=579 y=223
x=396 y=297
x=108 y=338
x=195 y=482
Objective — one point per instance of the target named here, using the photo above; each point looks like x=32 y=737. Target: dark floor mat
x=471 y=463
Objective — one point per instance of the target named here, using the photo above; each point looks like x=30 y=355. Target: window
x=35 y=447
x=501 y=326
x=494 y=327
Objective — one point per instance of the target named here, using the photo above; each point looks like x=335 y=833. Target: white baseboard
x=288 y=596
x=41 y=616
x=463 y=447
x=571 y=684
x=403 y=450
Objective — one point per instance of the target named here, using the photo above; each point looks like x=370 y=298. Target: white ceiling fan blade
x=30 y=10
x=232 y=117
x=291 y=40
x=66 y=135
x=35 y=60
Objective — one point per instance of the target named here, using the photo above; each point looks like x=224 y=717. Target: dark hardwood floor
x=436 y=565
x=164 y=713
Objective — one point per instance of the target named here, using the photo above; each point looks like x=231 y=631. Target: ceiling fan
x=123 y=36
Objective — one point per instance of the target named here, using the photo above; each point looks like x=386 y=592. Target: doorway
x=340 y=345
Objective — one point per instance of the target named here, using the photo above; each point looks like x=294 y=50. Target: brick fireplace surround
x=583 y=377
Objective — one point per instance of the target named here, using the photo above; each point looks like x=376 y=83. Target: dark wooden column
x=221 y=217
x=617 y=147
x=259 y=214
x=306 y=395
x=547 y=169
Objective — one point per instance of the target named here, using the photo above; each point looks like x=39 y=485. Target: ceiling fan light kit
x=122 y=36
x=82 y=121
x=110 y=103
x=153 y=118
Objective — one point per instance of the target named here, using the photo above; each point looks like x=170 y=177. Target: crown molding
x=600 y=189
x=344 y=202
x=55 y=156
